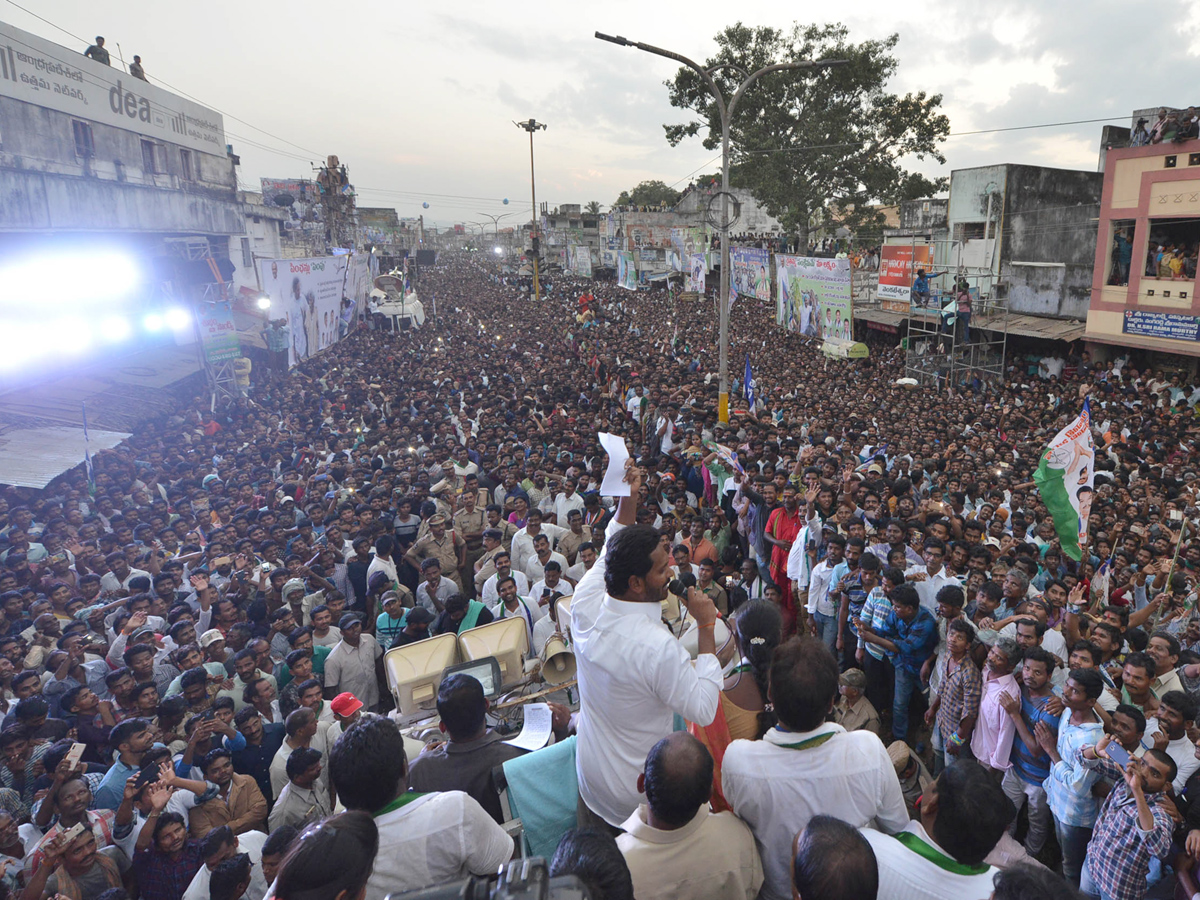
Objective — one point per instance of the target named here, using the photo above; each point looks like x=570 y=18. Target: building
x=88 y=150
x=1151 y=199
x=263 y=239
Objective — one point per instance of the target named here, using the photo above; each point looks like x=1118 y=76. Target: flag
x=727 y=457
x=1064 y=478
x=748 y=385
x=87 y=454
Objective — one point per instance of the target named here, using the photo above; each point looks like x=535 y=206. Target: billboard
x=696 y=273
x=748 y=271
x=308 y=294
x=218 y=334
x=898 y=264
x=814 y=296
x=46 y=74
x=579 y=261
x=626 y=271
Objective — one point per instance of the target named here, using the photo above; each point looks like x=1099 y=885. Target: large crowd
x=919 y=694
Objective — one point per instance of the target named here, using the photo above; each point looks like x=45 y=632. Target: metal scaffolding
x=940 y=352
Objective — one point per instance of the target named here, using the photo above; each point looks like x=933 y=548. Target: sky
x=419 y=100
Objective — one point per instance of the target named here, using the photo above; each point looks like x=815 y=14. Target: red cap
x=345 y=704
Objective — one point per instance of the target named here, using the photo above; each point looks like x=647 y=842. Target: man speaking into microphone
x=634 y=676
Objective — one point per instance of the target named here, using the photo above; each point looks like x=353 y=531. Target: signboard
x=579 y=261
x=748 y=273
x=898 y=264
x=697 y=272
x=648 y=255
x=814 y=297
x=218 y=334
x=46 y=74
x=308 y=294
x=626 y=271
x=1162 y=325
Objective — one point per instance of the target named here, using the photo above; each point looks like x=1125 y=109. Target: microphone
x=679 y=586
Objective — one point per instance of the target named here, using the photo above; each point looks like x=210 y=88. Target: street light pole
x=531 y=126
x=726 y=111
x=495 y=222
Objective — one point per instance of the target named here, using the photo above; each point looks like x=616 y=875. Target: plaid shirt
x=960 y=694
x=163 y=878
x=25 y=786
x=914 y=640
x=102 y=822
x=1118 y=856
x=1069 y=787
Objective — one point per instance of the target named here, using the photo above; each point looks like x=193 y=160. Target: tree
x=592 y=208
x=649 y=193
x=815 y=145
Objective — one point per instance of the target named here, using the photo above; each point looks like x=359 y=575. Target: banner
x=360 y=278
x=814 y=296
x=748 y=273
x=1065 y=478
x=46 y=74
x=308 y=294
x=748 y=385
x=218 y=334
x=697 y=272
x=626 y=271
x=898 y=264
x=579 y=261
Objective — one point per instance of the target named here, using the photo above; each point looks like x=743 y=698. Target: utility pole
x=726 y=111
x=531 y=126
x=496 y=219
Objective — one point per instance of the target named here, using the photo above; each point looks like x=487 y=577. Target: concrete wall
x=1049 y=219
x=923 y=215
x=754 y=218
x=45 y=185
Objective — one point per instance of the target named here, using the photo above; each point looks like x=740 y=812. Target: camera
x=521 y=879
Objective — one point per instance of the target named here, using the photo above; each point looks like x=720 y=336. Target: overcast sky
x=418 y=99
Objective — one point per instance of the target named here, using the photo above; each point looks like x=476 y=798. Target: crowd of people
x=915 y=692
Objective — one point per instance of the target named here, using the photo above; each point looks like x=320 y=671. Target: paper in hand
x=614 y=483
x=539 y=724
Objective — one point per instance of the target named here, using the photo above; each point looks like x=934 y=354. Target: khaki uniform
x=568 y=544
x=488 y=569
x=444 y=551
x=466 y=523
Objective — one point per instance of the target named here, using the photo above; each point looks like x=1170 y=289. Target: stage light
x=72 y=335
x=55 y=278
x=497 y=251
x=115 y=328
x=153 y=322
x=264 y=302
x=176 y=318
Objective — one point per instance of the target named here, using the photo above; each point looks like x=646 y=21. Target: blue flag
x=748 y=384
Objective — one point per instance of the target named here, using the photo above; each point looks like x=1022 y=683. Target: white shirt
x=353 y=669
x=818 y=589
x=248 y=842
x=522 y=543
x=799 y=569
x=535 y=569
x=1052 y=642
x=386 y=566
x=433 y=840
x=927 y=589
x=491 y=596
x=110 y=582
x=564 y=504
x=906 y=875
x=776 y=790
x=526 y=609
x=634 y=676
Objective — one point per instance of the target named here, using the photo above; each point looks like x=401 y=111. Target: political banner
x=218 y=334
x=308 y=294
x=360 y=278
x=626 y=270
x=580 y=261
x=814 y=296
x=1065 y=479
x=898 y=264
x=748 y=273
x=696 y=273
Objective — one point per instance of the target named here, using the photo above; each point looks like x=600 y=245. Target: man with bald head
x=673 y=845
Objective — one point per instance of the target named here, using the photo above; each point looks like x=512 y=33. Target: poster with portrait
x=307 y=293
x=1065 y=478
x=813 y=296
x=626 y=270
x=697 y=271
x=748 y=273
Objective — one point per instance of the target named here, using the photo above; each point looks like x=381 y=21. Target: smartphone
x=75 y=754
x=73 y=832
x=1117 y=754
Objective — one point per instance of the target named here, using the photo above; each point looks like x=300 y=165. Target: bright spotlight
x=110 y=277
x=115 y=328
x=176 y=318
x=73 y=335
x=264 y=302
x=497 y=251
x=153 y=322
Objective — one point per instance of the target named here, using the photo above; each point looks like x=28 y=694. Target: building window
x=185 y=165
x=1120 y=255
x=84 y=147
x=1170 y=252
x=247 y=256
x=149 y=159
